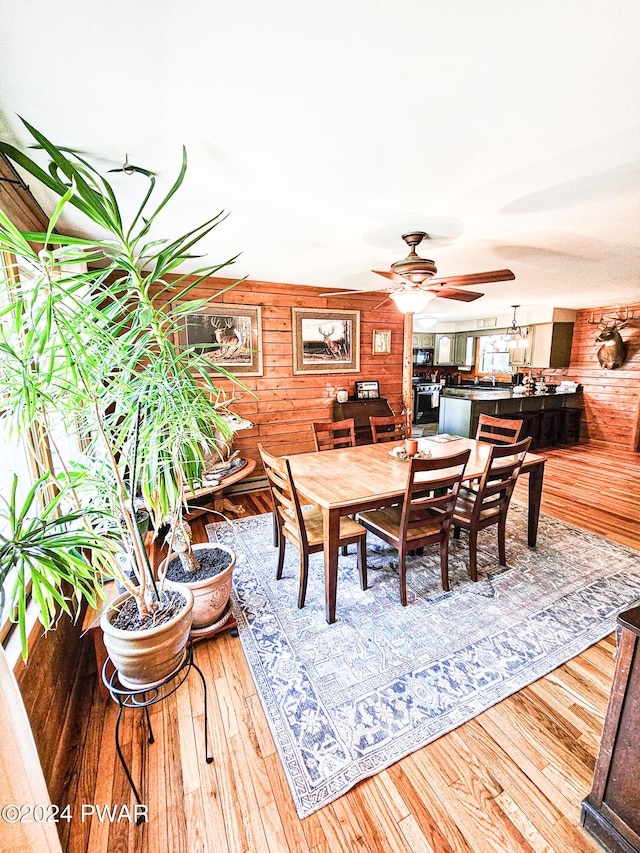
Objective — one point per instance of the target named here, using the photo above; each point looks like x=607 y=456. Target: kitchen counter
x=460 y=408
x=479 y=393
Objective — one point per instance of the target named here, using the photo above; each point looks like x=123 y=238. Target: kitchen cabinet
x=424 y=340
x=464 y=349
x=549 y=346
x=552 y=345
x=445 y=350
x=454 y=349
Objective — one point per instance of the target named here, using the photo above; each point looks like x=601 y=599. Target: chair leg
x=402 y=571
x=281 y=546
x=473 y=554
x=362 y=561
x=276 y=531
x=456 y=532
x=345 y=550
x=304 y=574
x=502 y=535
x=444 y=562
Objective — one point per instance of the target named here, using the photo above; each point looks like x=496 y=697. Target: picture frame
x=381 y=343
x=229 y=336
x=367 y=390
x=325 y=341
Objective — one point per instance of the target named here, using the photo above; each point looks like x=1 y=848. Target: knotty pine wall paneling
x=286 y=404
x=611 y=397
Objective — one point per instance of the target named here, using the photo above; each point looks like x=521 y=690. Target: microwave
x=423 y=357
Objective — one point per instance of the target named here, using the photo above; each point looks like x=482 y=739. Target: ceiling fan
x=411 y=274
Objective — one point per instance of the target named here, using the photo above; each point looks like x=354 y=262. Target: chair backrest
x=432 y=490
x=388 y=428
x=286 y=504
x=498 y=430
x=328 y=435
x=497 y=482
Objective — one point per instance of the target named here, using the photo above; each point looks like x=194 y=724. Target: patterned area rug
x=346 y=700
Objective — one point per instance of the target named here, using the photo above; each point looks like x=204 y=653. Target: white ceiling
x=507 y=129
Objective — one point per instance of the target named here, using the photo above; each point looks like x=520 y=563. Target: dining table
x=354 y=479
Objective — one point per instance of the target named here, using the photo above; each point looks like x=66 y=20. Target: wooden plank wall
x=611 y=397
x=286 y=404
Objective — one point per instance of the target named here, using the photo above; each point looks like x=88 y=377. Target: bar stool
x=570 y=419
x=550 y=427
x=531 y=427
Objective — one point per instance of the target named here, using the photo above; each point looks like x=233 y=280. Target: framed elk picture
x=229 y=336
x=325 y=341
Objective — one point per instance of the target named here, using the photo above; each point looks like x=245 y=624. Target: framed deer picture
x=325 y=341
x=229 y=336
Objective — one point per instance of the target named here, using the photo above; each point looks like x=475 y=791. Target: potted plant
x=207 y=570
x=87 y=337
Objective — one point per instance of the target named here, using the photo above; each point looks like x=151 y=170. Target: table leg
x=331 y=519
x=536 y=476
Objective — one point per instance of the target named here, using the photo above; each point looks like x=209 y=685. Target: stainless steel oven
x=426 y=402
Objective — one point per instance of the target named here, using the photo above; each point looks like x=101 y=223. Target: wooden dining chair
x=498 y=430
x=487 y=503
x=391 y=428
x=328 y=435
x=424 y=516
x=304 y=529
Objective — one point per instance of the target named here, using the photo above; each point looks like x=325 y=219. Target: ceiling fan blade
x=475 y=278
x=393 y=276
x=453 y=293
x=352 y=292
x=380 y=304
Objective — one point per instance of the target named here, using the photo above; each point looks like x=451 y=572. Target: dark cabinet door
x=611 y=812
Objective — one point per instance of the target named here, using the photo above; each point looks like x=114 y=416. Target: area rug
x=344 y=701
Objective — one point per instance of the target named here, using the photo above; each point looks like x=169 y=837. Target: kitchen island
x=549 y=418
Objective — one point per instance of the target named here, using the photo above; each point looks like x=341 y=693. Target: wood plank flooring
x=512 y=779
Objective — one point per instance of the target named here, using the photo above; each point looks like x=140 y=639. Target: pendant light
x=514 y=332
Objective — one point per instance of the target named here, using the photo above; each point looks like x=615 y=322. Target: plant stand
x=227 y=622
x=151 y=695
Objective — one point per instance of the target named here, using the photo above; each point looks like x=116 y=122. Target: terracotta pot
x=210 y=595
x=150 y=655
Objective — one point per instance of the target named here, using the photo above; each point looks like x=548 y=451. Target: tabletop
x=343 y=477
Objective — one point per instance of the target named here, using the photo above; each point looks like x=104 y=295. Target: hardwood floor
x=511 y=779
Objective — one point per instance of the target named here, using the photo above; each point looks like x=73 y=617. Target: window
x=494 y=354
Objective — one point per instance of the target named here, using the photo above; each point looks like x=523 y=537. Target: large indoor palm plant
x=88 y=338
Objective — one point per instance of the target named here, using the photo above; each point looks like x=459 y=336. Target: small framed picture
x=381 y=341
x=367 y=390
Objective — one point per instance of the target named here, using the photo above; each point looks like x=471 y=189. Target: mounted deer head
x=613 y=351
x=220 y=456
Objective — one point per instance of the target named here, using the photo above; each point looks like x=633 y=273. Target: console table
x=611 y=812
x=361 y=411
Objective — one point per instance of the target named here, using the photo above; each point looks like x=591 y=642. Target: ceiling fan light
x=411 y=301
x=425 y=322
